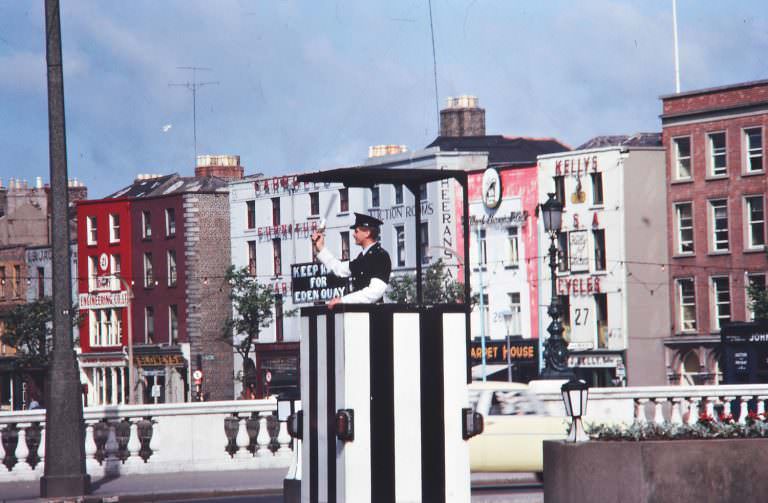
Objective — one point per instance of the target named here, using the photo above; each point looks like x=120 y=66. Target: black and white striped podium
x=402 y=372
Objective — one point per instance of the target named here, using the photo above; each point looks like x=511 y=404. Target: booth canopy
x=367 y=176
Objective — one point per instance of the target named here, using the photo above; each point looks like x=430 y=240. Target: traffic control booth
x=384 y=387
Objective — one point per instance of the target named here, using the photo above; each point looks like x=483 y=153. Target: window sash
x=721 y=300
x=717 y=154
x=684 y=213
x=399 y=194
x=756 y=279
x=598 y=236
x=755 y=221
x=252 y=258
x=753 y=138
x=375 y=197
x=597 y=188
x=250 y=214
x=482 y=236
x=170 y=222
x=114 y=228
x=719 y=212
x=149 y=324
x=173 y=324
x=172 y=279
x=400 y=236
x=91 y=223
x=345 y=245
x=275 y=212
x=149 y=276
x=277 y=257
x=682 y=158
x=515 y=310
x=314 y=203
x=343 y=200
x=513 y=255
x=146 y=225
x=686 y=300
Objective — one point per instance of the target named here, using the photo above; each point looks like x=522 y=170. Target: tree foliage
x=29 y=329
x=253 y=305
x=758 y=301
x=438 y=287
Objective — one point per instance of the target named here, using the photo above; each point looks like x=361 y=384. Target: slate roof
x=170 y=184
x=502 y=150
x=635 y=140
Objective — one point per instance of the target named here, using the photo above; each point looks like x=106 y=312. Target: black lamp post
x=555 y=348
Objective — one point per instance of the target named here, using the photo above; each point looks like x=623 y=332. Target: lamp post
x=131 y=391
x=575 y=394
x=555 y=347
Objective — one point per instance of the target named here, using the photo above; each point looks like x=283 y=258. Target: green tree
x=29 y=329
x=438 y=287
x=758 y=301
x=253 y=304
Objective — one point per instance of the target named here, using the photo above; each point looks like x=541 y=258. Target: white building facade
x=611 y=252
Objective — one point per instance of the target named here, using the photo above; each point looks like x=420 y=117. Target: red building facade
x=716 y=183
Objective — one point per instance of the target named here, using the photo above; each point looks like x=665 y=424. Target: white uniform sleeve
x=368 y=295
x=340 y=269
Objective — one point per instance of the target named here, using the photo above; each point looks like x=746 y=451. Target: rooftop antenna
x=194 y=86
x=434 y=65
x=677 y=58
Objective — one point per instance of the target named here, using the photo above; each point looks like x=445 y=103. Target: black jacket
x=374 y=264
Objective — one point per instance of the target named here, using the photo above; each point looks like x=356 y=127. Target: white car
x=516 y=425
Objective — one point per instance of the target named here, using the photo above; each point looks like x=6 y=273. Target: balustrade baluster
x=134 y=444
x=242 y=440
x=693 y=409
x=22 y=451
x=761 y=404
x=727 y=401
x=640 y=410
x=675 y=417
x=111 y=446
x=2 y=449
x=710 y=407
x=284 y=439
x=263 y=439
x=40 y=468
x=658 y=413
x=91 y=463
x=743 y=409
x=154 y=441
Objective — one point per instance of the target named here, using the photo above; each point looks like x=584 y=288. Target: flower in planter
x=725 y=418
x=752 y=418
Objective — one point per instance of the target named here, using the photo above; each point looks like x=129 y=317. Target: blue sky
x=305 y=85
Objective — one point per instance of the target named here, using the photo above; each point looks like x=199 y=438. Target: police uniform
x=369 y=271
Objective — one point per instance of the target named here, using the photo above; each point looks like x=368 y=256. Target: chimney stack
x=222 y=166
x=462 y=117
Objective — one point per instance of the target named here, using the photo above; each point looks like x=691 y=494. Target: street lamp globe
x=552 y=212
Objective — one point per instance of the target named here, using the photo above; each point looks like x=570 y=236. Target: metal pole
x=131 y=375
x=64 y=473
x=677 y=59
x=482 y=302
x=464 y=181
x=555 y=349
x=509 y=361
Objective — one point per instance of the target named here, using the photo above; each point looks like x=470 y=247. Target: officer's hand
x=318 y=240
x=333 y=302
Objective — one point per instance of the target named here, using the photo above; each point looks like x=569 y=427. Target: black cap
x=365 y=221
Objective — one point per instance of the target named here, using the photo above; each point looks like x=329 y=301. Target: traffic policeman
x=370 y=270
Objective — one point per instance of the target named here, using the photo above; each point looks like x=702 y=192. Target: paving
x=194 y=485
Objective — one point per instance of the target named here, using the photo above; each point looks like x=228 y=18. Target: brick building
x=162 y=235
x=716 y=183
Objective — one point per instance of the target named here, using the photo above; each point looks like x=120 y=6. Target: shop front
x=162 y=374
x=277 y=368
x=512 y=359
x=744 y=352
x=599 y=370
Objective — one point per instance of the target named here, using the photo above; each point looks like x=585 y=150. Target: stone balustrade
x=129 y=439
x=676 y=404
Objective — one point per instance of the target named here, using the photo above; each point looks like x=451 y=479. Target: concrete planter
x=700 y=471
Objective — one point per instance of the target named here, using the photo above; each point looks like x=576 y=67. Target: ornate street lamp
x=555 y=347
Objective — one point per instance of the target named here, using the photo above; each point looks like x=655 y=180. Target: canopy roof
x=367 y=176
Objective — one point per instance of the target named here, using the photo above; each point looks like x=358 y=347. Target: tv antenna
x=194 y=86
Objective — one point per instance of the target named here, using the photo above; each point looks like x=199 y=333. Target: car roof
x=496 y=385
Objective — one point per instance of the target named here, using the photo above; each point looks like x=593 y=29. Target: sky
x=303 y=85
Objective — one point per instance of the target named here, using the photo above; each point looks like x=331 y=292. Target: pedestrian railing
x=131 y=439
x=674 y=404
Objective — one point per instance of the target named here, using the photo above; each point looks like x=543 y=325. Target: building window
x=399 y=194
x=275 y=211
x=40 y=282
x=173 y=324
x=513 y=242
x=598 y=236
x=560 y=189
x=755 y=213
x=149 y=275
x=149 y=324
x=114 y=228
x=314 y=203
x=93 y=267
x=717 y=157
x=375 y=197
x=686 y=302
x=277 y=257
x=343 y=200
x=684 y=221
x=170 y=222
x=482 y=259
x=17 y=281
x=424 y=229
x=252 y=258
x=719 y=224
x=753 y=147
x=344 y=245
x=114 y=272
x=104 y=327
x=400 y=238
x=146 y=225
x=601 y=318
x=682 y=151
x=250 y=214
x=3 y=279
x=423 y=192
x=756 y=281
x=597 y=188
x=171 y=268
x=514 y=326
x=562 y=252
x=279 y=318
x=90 y=223
x=721 y=301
